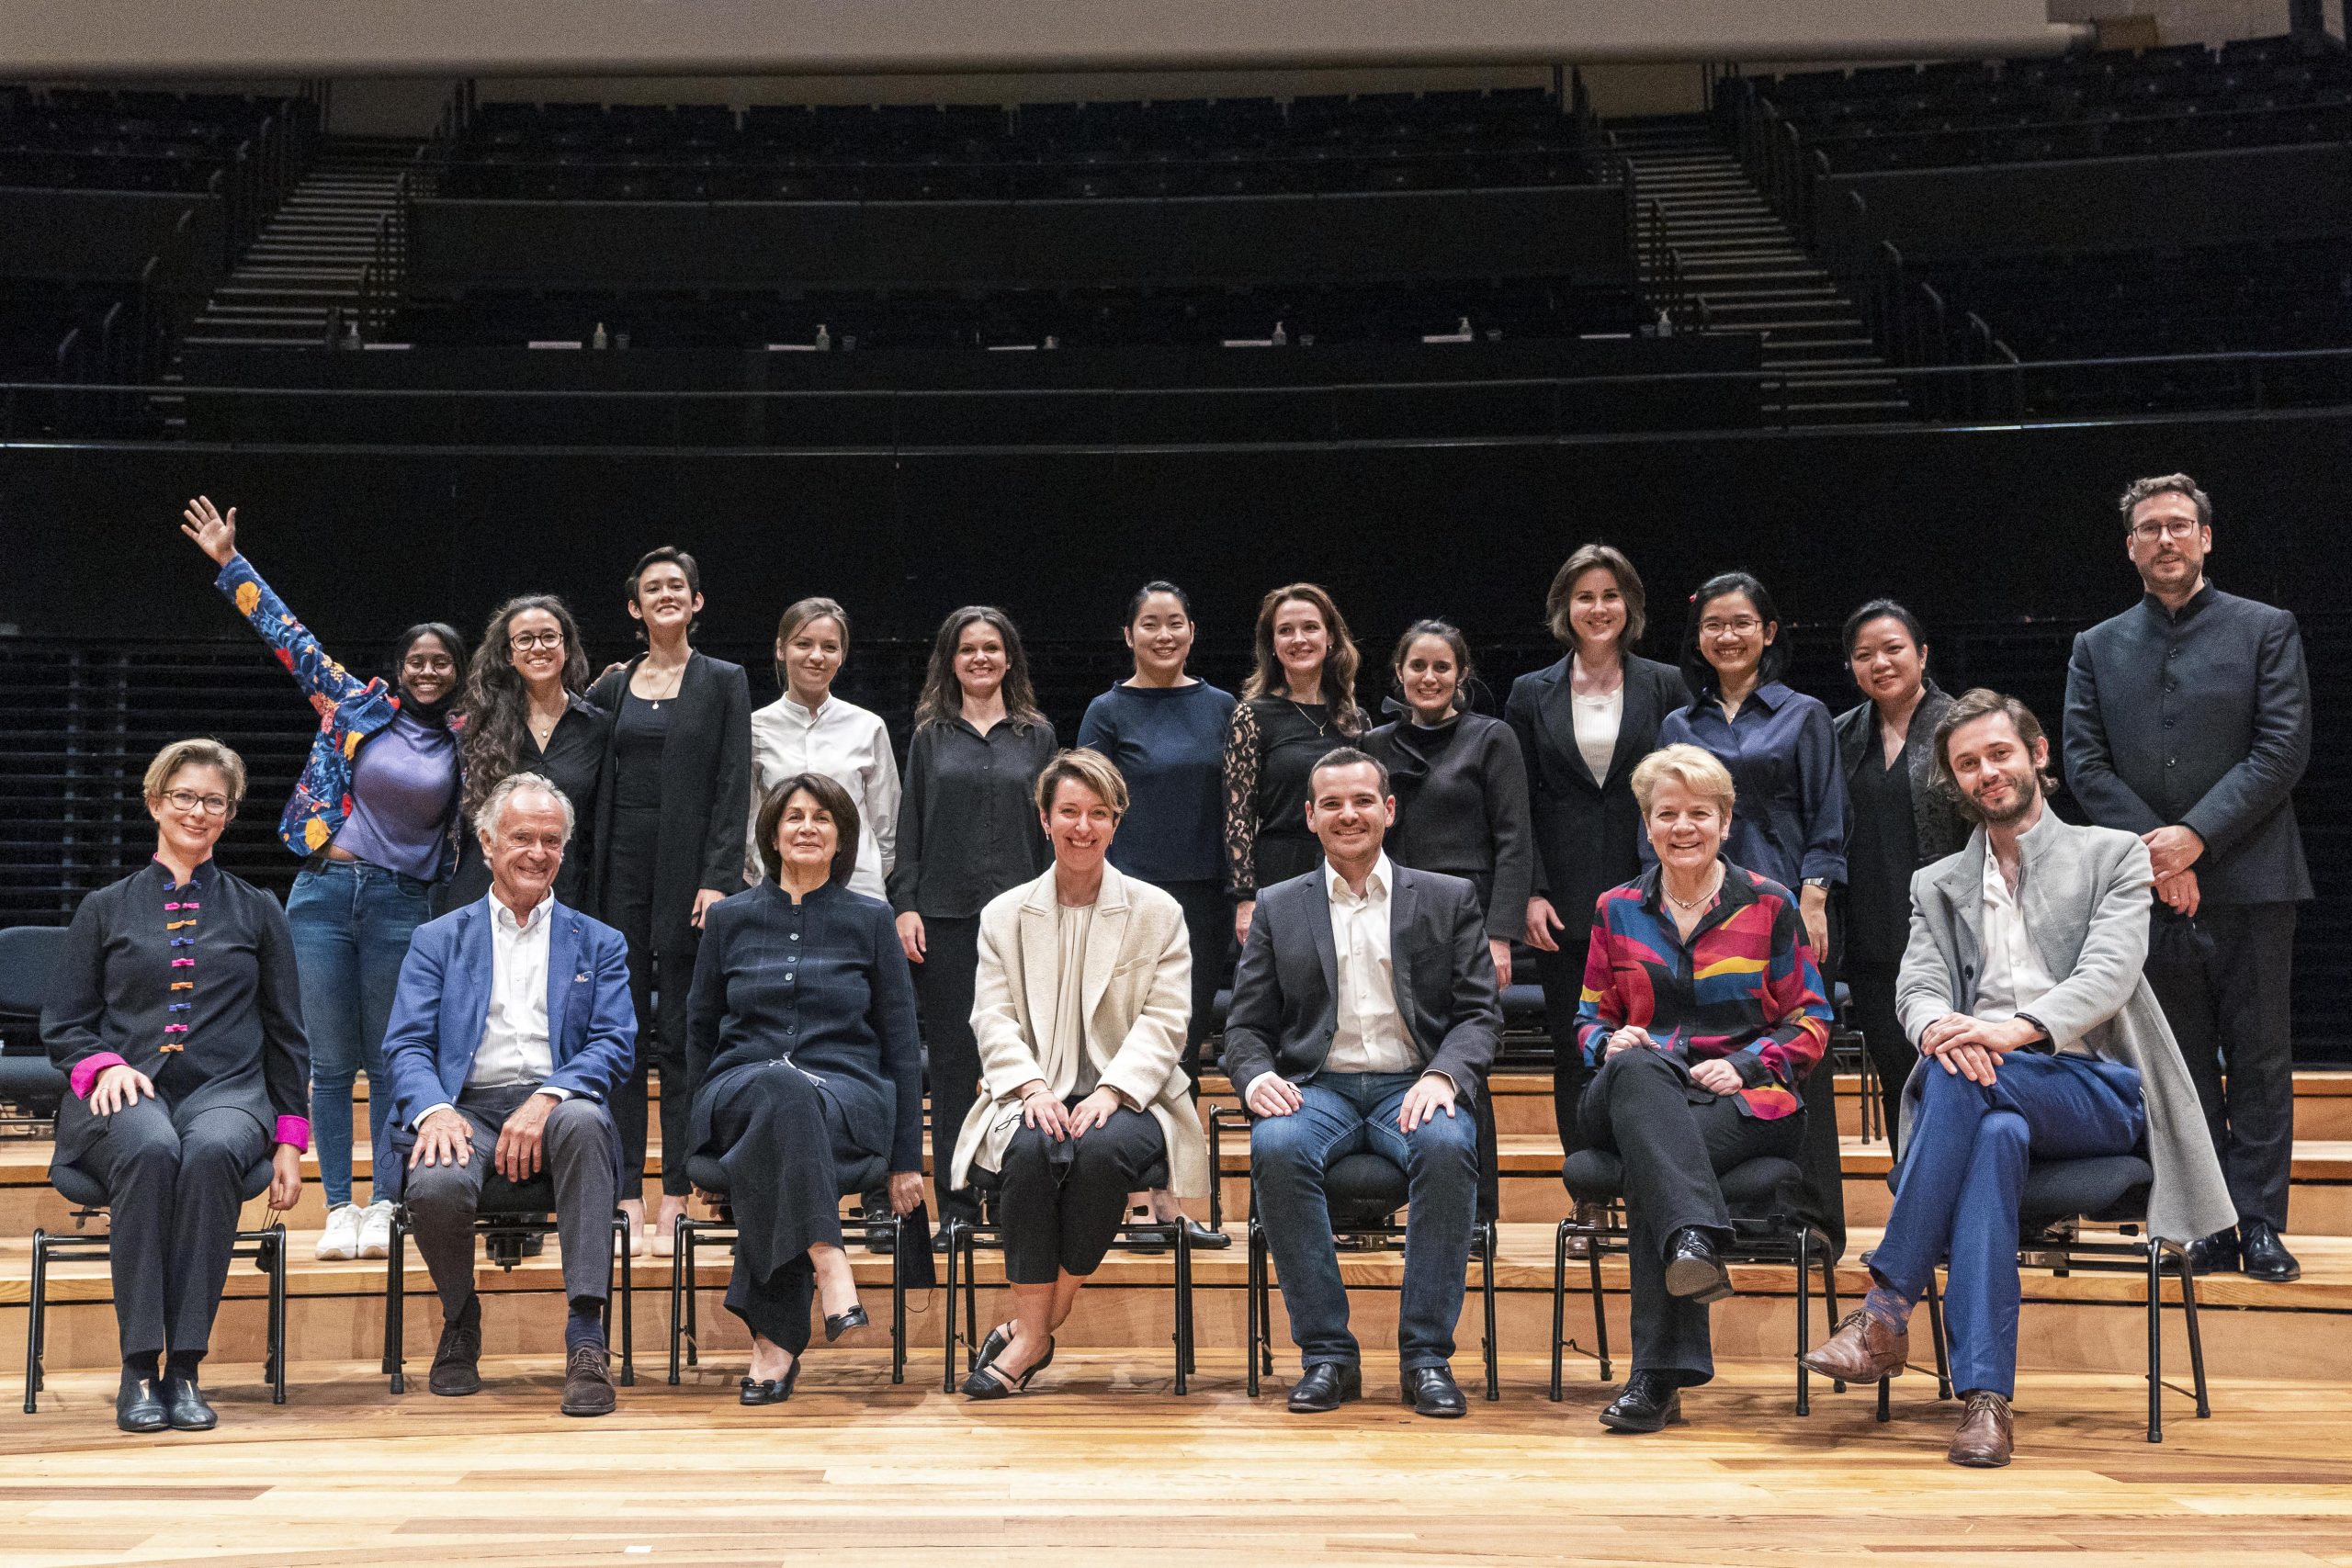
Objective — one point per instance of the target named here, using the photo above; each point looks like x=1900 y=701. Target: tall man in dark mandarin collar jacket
x=2189 y=723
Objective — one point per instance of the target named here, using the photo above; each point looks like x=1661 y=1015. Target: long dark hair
x=943 y=694
x=498 y=705
x=1267 y=678
x=1700 y=676
x=438 y=713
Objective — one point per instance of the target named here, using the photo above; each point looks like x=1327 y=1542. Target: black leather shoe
x=2215 y=1253
x=1199 y=1235
x=137 y=1409
x=1650 y=1402
x=838 y=1324
x=2264 y=1257
x=1693 y=1267
x=990 y=1382
x=184 y=1406
x=1431 y=1390
x=993 y=1345
x=769 y=1390
x=1326 y=1386
x=456 y=1361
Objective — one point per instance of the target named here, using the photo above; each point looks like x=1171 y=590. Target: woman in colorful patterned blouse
x=375 y=817
x=174 y=1015
x=1703 y=1012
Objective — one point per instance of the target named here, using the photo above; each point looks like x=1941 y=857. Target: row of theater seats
x=2104 y=103
x=1434 y=141
x=66 y=332
x=127 y=140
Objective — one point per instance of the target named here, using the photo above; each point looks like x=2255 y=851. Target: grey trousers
x=173 y=1195
x=578 y=1157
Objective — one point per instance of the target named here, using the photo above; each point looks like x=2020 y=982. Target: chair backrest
x=29 y=957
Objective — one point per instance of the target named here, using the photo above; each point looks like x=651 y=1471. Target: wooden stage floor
x=1105 y=1465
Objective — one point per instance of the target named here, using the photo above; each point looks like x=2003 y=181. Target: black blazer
x=1588 y=835
x=1286 y=989
x=1463 y=811
x=1936 y=820
x=705 y=792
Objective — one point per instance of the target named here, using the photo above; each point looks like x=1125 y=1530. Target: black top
x=230 y=1035
x=1272 y=746
x=705 y=777
x=824 y=984
x=639 y=730
x=967 y=823
x=2201 y=717
x=1168 y=742
x=1881 y=851
x=571 y=761
x=1461 y=793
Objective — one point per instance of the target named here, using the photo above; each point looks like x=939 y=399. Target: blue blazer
x=443 y=1005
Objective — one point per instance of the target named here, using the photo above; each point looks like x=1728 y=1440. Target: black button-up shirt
x=967 y=823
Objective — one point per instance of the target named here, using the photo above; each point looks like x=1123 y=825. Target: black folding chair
x=1365 y=1191
x=28 y=1081
x=265 y=1247
x=711 y=1175
x=2106 y=1190
x=965 y=1239
x=509 y=1215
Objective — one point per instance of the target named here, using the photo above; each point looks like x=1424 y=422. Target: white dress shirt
x=514 y=1048
x=2014 y=978
x=847 y=745
x=1371 y=1036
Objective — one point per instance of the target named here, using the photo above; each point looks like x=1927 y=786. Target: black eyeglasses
x=189 y=800
x=523 y=642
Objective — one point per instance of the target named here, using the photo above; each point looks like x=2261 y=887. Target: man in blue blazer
x=1364 y=1016
x=511 y=1029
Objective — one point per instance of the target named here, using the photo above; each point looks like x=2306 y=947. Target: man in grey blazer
x=2038 y=1037
x=1364 y=1015
x=2189 y=723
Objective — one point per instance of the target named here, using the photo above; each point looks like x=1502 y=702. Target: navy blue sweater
x=1168 y=742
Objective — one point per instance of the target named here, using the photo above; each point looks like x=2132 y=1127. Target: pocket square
x=580 y=980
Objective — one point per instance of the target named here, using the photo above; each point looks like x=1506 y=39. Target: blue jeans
x=1345 y=1113
x=1963 y=1174
x=352 y=922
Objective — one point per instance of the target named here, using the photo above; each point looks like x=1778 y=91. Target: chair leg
x=396 y=1301
x=694 y=1316
x=1184 y=1303
x=899 y=1243
x=1805 y=1319
x=36 y=1308
x=947 y=1314
x=681 y=1249
x=2195 y=1338
x=971 y=1298
x=628 y=1305
x=1936 y=1333
x=1600 y=1309
x=1559 y=1299
x=2155 y=1340
x=277 y=1245
x=1829 y=1296
x=1255 y=1307
x=1487 y=1273
x=1885 y=1411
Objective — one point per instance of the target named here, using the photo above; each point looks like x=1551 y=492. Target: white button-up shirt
x=2014 y=978
x=847 y=745
x=1371 y=1035
x=514 y=1048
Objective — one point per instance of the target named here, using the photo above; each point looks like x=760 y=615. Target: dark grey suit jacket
x=2202 y=718
x=1286 y=989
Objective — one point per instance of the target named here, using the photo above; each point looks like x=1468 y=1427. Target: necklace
x=1699 y=901
x=677 y=679
x=1322 y=726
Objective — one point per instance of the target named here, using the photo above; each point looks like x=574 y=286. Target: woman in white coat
x=1081 y=1007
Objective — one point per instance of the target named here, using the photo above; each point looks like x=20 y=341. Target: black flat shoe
x=2264 y=1257
x=2215 y=1253
x=1693 y=1270
x=1431 y=1390
x=1651 y=1401
x=1199 y=1235
x=769 y=1390
x=184 y=1405
x=137 y=1409
x=835 y=1326
x=1326 y=1386
x=986 y=1382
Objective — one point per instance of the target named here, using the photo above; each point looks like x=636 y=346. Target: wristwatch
x=1820 y=882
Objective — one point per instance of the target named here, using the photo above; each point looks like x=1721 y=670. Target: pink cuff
x=294 y=1130
x=85 y=1072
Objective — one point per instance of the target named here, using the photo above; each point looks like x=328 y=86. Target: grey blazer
x=2084 y=892
x=1286 y=988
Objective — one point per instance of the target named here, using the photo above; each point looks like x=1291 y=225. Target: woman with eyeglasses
x=526 y=712
x=374 y=816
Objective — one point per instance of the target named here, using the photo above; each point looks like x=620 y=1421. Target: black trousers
x=658 y=984
x=784 y=1139
x=173 y=1195
x=943 y=982
x=1208 y=922
x=1871 y=987
x=2223 y=978
x=1061 y=1203
x=1562 y=975
x=1674 y=1139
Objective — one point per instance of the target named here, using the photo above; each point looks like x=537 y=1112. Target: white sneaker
x=375 y=1229
x=340 y=1240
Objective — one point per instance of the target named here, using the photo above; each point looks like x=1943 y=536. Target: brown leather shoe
x=1862 y=1350
x=1987 y=1432
x=1590 y=1216
x=587 y=1382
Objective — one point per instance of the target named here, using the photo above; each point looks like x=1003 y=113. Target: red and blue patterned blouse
x=1743 y=988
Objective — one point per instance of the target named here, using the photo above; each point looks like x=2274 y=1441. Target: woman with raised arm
x=671 y=807
x=374 y=816
x=967 y=831
x=527 y=712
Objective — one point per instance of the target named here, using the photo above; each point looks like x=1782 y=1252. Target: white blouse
x=846 y=744
x=1598 y=719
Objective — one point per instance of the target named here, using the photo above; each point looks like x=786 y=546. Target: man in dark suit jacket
x=1364 y=1015
x=510 y=1031
x=2189 y=723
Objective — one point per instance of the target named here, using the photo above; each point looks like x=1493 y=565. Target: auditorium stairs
x=2084 y=1321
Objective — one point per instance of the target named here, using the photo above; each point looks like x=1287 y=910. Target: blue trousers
x=351 y=923
x=1345 y=1113
x=1963 y=1174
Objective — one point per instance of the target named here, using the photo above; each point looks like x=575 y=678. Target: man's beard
x=2026 y=793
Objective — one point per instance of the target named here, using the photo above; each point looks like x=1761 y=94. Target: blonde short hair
x=1695 y=767
x=197 y=754
x=1082 y=765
